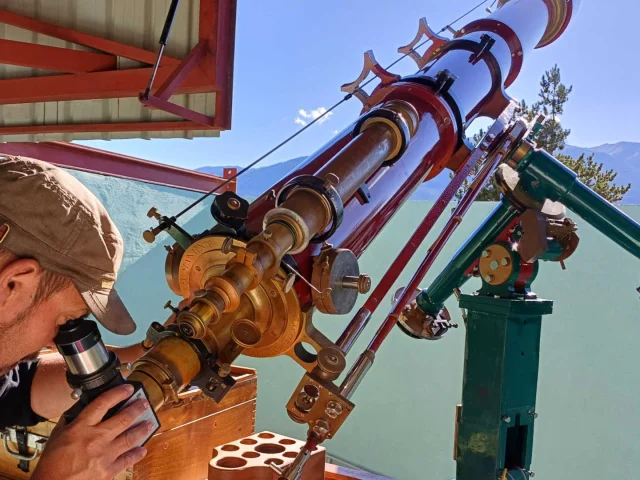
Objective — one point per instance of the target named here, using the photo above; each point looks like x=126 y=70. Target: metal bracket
x=34 y=441
x=424 y=30
x=486 y=43
x=371 y=65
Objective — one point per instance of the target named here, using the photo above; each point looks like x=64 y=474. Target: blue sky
x=295 y=54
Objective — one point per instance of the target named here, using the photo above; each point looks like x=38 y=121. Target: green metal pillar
x=495 y=430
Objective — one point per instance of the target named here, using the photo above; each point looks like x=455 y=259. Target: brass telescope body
x=241 y=301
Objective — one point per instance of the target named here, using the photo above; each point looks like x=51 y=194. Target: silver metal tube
x=357 y=373
x=89 y=361
x=353 y=330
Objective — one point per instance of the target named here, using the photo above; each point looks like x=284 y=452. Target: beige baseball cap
x=48 y=215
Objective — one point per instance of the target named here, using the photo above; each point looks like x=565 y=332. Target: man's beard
x=21 y=317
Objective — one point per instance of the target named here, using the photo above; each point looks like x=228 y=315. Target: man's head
x=59 y=255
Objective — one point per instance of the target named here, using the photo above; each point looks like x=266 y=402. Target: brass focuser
x=242 y=300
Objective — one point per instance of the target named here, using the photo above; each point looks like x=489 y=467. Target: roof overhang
x=75 y=70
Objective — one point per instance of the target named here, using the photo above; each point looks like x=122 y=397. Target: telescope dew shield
x=92 y=370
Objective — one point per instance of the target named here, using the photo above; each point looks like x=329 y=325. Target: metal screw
x=334 y=409
x=76 y=394
x=332 y=359
x=505 y=261
x=227 y=246
x=211 y=386
x=331 y=180
x=533 y=414
x=485 y=253
x=171 y=307
x=488 y=278
x=364 y=283
x=233 y=203
x=506 y=419
x=186 y=330
x=531 y=474
x=494 y=265
x=224 y=370
x=447 y=121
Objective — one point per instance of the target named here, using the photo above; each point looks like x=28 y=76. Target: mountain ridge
x=623 y=157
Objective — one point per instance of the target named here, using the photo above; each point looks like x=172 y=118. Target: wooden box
x=181 y=449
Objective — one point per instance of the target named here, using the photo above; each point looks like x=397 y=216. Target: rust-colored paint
x=106 y=127
x=53 y=58
x=98 y=85
x=207 y=68
x=73 y=36
x=93 y=160
x=508 y=35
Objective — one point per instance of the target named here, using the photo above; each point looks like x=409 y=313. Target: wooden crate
x=181 y=449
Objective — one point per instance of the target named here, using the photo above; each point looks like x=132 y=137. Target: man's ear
x=19 y=281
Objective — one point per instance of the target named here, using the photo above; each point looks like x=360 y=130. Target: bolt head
x=233 y=203
x=485 y=253
x=505 y=261
x=506 y=419
x=187 y=330
x=494 y=265
x=488 y=278
x=364 y=283
x=76 y=394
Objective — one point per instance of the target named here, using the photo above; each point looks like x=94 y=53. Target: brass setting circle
x=202 y=260
x=172 y=268
x=245 y=333
x=496 y=267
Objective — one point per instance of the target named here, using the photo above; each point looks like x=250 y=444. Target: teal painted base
x=499 y=387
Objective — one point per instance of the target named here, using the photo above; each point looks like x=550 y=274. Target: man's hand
x=90 y=449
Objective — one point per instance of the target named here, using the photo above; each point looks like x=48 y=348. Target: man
x=59 y=256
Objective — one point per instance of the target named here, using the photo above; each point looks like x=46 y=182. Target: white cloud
x=305 y=117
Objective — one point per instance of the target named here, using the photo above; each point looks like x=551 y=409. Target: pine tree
x=553 y=96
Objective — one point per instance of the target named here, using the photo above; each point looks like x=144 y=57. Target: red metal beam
x=200 y=118
x=104 y=127
x=224 y=48
x=208 y=32
x=54 y=58
x=182 y=71
x=88 y=86
x=92 y=160
x=73 y=36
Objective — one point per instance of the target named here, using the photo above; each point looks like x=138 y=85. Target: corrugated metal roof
x=134 y=22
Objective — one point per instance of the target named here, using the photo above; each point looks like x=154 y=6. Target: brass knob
x=153 y=213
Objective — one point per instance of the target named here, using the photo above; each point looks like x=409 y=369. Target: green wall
x=403 y=422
